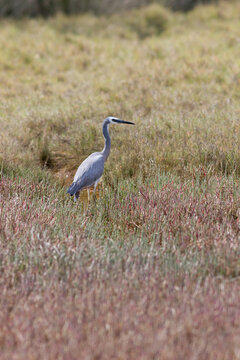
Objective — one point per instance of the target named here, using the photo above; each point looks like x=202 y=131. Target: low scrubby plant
x=150 y=21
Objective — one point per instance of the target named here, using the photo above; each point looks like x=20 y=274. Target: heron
x=91 y=169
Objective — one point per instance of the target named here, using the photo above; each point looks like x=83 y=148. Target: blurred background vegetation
x=19 y=8
x=175 y=74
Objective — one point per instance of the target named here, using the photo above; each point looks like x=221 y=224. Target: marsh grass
x=186 y=220
x=179 y=85
x=151 y=268
x=143 y=260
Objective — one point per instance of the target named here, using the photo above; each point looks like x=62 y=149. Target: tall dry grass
x=176 y=76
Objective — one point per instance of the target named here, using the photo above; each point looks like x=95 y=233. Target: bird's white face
x=111 y=119
x=114 y=120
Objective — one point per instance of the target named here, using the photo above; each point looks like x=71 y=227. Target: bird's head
x=114 y=120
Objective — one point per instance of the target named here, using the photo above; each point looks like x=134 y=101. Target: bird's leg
x=95 y=186
x=88 y=193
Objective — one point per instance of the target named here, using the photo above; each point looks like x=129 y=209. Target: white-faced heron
x=91 y=169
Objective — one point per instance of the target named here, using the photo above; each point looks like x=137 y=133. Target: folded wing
x=88 y=173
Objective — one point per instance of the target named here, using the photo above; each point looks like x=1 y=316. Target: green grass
x=151 y=269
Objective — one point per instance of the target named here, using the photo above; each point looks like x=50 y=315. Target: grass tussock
x=150 y=21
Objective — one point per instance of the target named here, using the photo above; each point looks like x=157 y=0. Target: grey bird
x=91 y=169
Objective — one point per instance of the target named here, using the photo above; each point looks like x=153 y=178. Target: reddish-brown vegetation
x=71 y=288
x=132 y=317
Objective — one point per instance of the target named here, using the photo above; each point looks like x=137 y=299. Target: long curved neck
x=106 y=149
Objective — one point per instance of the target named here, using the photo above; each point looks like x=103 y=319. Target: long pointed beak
x=123 y=122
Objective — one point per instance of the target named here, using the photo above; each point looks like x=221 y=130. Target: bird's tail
x=72 y=189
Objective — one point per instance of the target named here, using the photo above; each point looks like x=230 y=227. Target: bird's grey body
x=88 y=173
x=91 y=169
